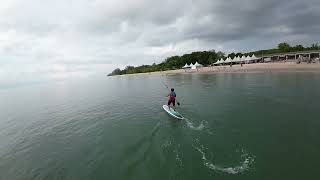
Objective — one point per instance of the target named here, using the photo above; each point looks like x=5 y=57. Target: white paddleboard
x=172 y=112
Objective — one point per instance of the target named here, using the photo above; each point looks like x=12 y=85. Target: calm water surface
x=238 y=126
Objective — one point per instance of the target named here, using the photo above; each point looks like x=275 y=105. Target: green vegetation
x=285 y=47
x=206 y=58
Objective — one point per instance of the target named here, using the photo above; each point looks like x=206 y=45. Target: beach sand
x=246 y=68
x=256 y=67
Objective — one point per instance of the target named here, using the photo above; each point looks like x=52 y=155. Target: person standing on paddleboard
x=172 y=99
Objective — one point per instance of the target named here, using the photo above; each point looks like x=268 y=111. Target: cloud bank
x=42 y=39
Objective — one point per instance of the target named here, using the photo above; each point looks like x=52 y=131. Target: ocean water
x=238 y=126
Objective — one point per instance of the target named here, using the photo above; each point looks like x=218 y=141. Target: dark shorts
x=172 y=101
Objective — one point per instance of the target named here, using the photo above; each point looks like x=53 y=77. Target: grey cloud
x=237 y=20
x=119 y=32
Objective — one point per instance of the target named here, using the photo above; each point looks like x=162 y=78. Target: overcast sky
x=57 y=39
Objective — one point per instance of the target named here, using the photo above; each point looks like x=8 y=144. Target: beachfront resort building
x=299 y=56
x=307 y=56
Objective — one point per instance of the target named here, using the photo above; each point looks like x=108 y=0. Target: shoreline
x=246 y=68
x=252 y=68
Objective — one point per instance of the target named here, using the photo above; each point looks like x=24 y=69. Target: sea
x=244 y=126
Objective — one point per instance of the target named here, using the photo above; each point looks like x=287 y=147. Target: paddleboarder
x=172 y=99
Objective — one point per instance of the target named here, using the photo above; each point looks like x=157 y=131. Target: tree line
x=206 y=58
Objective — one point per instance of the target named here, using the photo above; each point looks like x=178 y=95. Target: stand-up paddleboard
x=172 y=113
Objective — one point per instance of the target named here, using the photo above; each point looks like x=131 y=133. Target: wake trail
x=244 y=165
x=192 y=126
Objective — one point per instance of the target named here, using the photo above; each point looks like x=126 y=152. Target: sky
x=46 y=39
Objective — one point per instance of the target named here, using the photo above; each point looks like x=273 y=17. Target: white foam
x=175 y=149
x=166 y=144
x=230 y=170
x=178 y=156
x=193 y=127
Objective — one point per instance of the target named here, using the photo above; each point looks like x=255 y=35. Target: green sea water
x=238 y=126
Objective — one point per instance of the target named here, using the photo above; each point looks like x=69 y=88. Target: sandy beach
x=257 y=67
x=246 y=68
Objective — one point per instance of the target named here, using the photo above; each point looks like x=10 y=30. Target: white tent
x=218 y=62
x=227 y=60
x=247 y=58
x=243 y=58
x=186 y=66
x=239 y=59
x=221 y=61
x=192 y=66
x=234 y=59
x=198 y=65
x=254 y=57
